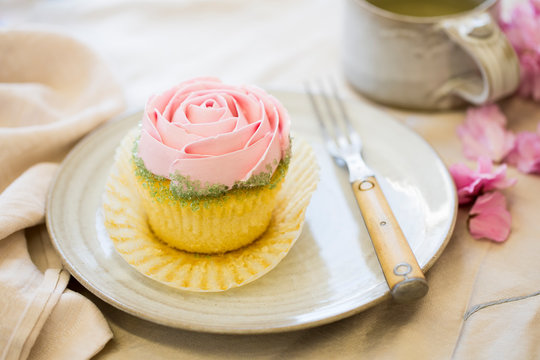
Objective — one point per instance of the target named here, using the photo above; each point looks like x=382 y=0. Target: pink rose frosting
x=213 y=133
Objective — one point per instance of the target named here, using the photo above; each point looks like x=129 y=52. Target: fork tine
x=336 y=128
x=318 y=113
x=338 y=132
x=344 y=114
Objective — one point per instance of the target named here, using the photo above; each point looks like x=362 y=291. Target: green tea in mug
x=426 y=7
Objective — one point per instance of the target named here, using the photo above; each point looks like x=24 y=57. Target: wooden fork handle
x=402 y=272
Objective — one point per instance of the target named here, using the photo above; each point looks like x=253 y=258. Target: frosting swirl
x=212 y=133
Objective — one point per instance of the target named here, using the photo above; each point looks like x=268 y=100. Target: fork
x=401 y=270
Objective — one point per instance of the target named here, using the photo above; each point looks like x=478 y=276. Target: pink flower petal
x=523 y=32
x=484 y=134
x=471 y=183
x=526 y=153
x=489 y=218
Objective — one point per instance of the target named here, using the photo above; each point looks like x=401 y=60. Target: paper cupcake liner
x=127 y=226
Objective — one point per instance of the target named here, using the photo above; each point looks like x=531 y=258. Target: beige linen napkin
x=53 y=90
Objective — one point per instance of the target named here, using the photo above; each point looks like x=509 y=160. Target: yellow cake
x=207 y=224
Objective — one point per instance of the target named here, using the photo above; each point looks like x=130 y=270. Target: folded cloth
x=53 y=90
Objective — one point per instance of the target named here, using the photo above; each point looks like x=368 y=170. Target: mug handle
x=483 y=40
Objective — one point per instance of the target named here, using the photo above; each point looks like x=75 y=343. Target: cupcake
x=209 y=163
x=209 y=193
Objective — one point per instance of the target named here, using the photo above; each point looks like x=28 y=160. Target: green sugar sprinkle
x=186 y=191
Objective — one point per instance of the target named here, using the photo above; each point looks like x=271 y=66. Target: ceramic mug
x=428 y=62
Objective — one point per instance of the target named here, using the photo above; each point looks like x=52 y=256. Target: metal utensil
x=400 y=268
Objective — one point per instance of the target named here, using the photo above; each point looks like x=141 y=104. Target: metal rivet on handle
x=402 y=269
x=366 y=185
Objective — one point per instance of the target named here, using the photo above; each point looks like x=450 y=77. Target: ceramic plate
x=331 y=272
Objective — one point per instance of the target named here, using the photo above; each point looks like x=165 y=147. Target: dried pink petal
x=471 y=183
x=490 y=218
x=526 y=153
x=484 y=134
